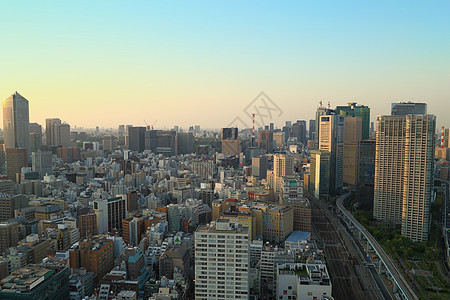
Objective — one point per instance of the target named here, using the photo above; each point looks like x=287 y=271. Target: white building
x=221 y=261
x=302 y=281
x=110 y=213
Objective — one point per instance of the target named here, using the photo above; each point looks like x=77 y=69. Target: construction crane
x=154 y=124
x=146 y=125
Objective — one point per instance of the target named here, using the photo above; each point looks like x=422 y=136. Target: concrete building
x=57 y=133
x=221 y=261
x=9 y=235
x=16 y=159
x=259 y=167
x=109 y=213
x=319 y=178
x=283 y=165
x=95 y=255
x=8 y=205
x=109 y=143
x=266 y=141
x=87 y=224
x=278 y=223
x=303 y=281
x=42 y=162
x=36 y=282
x=176 y=256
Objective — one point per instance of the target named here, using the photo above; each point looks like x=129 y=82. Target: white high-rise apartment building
x=404 y=159
x=418 y=176
x=110 y=213
x=221 y=261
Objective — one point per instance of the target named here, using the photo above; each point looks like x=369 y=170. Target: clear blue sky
x=201 y=62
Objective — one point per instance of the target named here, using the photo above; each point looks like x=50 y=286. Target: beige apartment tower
x=404 y=159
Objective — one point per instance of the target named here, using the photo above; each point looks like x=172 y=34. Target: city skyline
x=176 y=62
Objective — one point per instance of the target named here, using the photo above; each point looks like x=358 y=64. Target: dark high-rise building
x=10 y=203
x=366 y=173
x=408 y=108
x=16 y=124
x=229 y=133
x=266 y=141
x=161 y=142
x=299 y=131
x=354 y=110
x=185 y=142
x=312 y=129
x=16 y=159
x=35 y=137
x=259 y=167
x=136 y=139
x=109 y=143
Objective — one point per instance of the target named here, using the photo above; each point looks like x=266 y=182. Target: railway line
x=349 y=278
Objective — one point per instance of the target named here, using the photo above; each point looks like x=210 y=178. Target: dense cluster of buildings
x=141 y=213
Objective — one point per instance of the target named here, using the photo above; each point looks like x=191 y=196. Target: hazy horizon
x=107 y=63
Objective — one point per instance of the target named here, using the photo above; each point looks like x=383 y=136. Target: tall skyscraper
x=406 y=108
x=319 y=178
x=51 y=133
x=299 y=131
x=354 y=110
x=321 y=111
x=185 y=142
x=229 y=133
x=161 y=142
x=57 y=133
x=312 y=129
x=35 y=137
x=16 y=122
x=353 y=131
x=266 y=141
x=331 y=139
x=109 y=143
x=231 y=143
x=418 y=176
x=221 y=261
x=366 y=173
x=259 y=167
x=136 y=139
x=404 y=172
